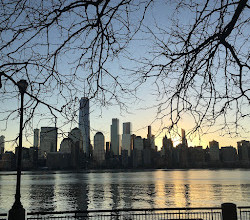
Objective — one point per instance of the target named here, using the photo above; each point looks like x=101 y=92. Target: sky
x=139 y=112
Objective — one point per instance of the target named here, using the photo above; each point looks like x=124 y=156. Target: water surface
x=60 y=191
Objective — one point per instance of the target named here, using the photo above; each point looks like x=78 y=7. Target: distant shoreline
x=112 y=170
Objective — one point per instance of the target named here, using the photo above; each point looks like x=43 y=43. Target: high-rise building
x=36 y=138
x=167 y=151
x=138 y=143
x=77 y=147
x=66 y=145
x=126 y=128
x=84 y=124
x=183 y=138
x=214 y=151
x=228 y=154
x=150 y=139
x=2 y=144
x=115 y=137
x=99 y=147
x=126 y=137
x=243 y=150
x=167 y=143
x=76 y=136
x=137 y=151
x=48 y=141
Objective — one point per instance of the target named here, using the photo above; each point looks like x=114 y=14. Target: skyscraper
x=2 y=144
x=126 y=128
x=183 y=138
x=84 y=124
x=115 y=137
x=48 y=141
x=126 y=137
x=66 y=145
x=214 y=151
x=150 y=139
x=76 y=136
x=99 y=144
x=243 y=150
x=36 y=138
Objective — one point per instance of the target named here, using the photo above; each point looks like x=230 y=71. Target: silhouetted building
x=127 y=128
x=137 y=146
x=147 y=157
x=228 y=155
x=26 y=158
x=115 y=137
x=2 y=145
x=183 y=138
x=66 y=145
x=138 y=143
x=126 y=138
x=107 y=150
x=84 y=124
x=214 y=151
x=36 y=138
x=125 y=158
x=182 y=151
x=167 y=152
x=33 y=153
x=48 y=141
x=99 y=147
x=76 y=136
x=76 y=161
x=58 y=161
x=8 y=161
x=196 y=157
x=77 y=158
x=150 y=139
x=243 y=151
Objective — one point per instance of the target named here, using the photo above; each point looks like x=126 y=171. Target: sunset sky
x=140 y=111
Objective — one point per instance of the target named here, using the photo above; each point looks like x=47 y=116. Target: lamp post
x=17 y=212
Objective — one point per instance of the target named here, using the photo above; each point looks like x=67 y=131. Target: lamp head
x=22 y=85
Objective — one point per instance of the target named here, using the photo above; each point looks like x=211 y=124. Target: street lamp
x=17 y=212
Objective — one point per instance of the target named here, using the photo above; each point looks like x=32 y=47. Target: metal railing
x=244 y=212
x=198 y=213
x=3 y=216
x=127 y=214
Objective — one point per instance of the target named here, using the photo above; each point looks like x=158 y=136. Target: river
x=61 y=191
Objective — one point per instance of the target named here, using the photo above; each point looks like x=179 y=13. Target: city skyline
x=131 y=94
x=141 y=131
x=139 y=153
x=125 y=149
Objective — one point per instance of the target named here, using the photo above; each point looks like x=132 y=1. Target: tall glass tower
x=126 y=137
x=84 y=124
x=2 y=144
x=48 y=141
x=115 y=137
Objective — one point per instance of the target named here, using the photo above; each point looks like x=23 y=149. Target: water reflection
x=127 y=195
x=62 y=191
x=72 y=192
x=187 y=195
x=42 y=192
x=245 y=192
x=217 y=191
x=169 y=195
x=7 y=190
x=115 y=196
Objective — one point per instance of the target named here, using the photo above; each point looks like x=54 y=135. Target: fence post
x=229 y=211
